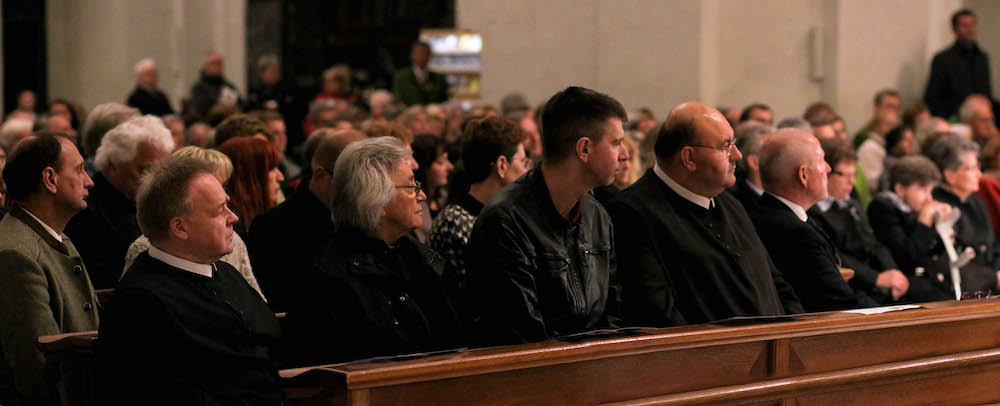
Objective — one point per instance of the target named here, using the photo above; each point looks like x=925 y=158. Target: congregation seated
x=105 y=229
x=541 y=257
x=46 y=285
x=794 y=175
x=374 y=290
x=957 y=159
x=239 y=258
x=679 y=236
x=492 y=157
x=843 y=220
x=185 y=327
x=903 y=219
x=285 y=239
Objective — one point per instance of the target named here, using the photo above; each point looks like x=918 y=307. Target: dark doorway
x=24 y=66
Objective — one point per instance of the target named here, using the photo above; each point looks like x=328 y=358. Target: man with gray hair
x=748 y=188
x=793 y=172
x=957 y=159
x=101 y=119
x=180 y=309
x=14 y=130
x=374 y=289
x=108 y=226
x=977 y=113
x=146 y=96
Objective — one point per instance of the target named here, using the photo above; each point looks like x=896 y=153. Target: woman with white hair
x=374 y=290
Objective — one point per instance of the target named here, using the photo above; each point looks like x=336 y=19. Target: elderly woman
x=239 y=258
x=957 y=159
x=374 y=290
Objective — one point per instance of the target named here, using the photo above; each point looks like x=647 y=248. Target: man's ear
x=753 y=162
x=803 y=175
x=583 y=146
x=49 y=180
x=501 y=166
x=178 y=227
x=687 y=159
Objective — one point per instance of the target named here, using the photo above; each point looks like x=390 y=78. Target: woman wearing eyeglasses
x=374 y=290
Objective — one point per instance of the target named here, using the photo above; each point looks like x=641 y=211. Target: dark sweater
x=172 y=337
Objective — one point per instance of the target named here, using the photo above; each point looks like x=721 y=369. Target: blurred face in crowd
x=965 y=180
x=816 y=173
x=824 y=132
x=209 y=224
x=61 y=124
x=26 y=100
x=403 y=214
x=890 y=103
x=607 y=155
x=274 y=178
x=841 y=180
x=533 y=142
x=125 y=176
x=213 y=65
x=270 y=75
x=965 y=30
x=420 y=55
x=59 y=109
x=200 y=134
x=716 y=161
x=277 y=127
x=762 y=116
x=70 y=179
x=149 y=77
x=840 y=129
x=981 y=122
x=906 y=146
x=176 y=128
x=437 y=174
x=517 y=166
x=916 y=195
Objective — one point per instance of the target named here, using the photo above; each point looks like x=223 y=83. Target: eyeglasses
x=727 y=148
x=416 y=187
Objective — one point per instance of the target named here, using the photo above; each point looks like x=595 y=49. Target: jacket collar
x=26 y=218
x=544 y=199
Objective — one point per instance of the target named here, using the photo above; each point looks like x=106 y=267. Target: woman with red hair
x=255 y=183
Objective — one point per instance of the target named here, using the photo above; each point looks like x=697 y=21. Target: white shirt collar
x=826 y=204
x=181 y=263
x=798 y=210
x=677 y=188
x=754 y=188
x=52 y=232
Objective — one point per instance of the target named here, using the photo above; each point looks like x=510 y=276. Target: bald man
x=688 y=253
x=793 y=172
x=284 y=240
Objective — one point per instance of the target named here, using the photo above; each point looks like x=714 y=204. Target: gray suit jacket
x=46 y=290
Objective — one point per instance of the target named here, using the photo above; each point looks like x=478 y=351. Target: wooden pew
x=946 y=352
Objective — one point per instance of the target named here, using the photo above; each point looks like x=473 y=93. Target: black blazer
x=807 y=257
x=856 y=243
x=747 y=197
x=680 y=263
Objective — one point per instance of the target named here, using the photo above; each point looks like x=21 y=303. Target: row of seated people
x=545 y=258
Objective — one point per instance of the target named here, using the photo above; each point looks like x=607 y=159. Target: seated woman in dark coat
x=903 y=219
x=374 y=290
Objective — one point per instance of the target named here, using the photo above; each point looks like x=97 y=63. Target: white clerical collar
x=826 y=204
x=52 y=232
x=181 y=263
x=754 y=188
x=798 y=210
x=677 y=188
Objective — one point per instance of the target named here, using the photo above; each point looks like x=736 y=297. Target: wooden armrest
x=80 y=343
x=104 y=295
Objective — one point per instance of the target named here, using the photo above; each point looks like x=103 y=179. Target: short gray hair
x=947 y=152
x=144 y=64
x=362 y=182
x=12 y=129
x=795 y=122
x=165 y=193
x=267 y=61
x=747 y=140
x=102 y=119
x=122 y=142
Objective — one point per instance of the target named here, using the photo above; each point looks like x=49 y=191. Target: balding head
x=695 y=148
x=331 y=145
x=792 y=166
x=212 y=65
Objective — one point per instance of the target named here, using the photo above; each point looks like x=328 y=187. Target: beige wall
x=733 y=52
x=93 y=45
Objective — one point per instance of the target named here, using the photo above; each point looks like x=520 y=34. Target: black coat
x=364 y=299
x=856 y=244
x=153 y=102
x=283 y=243
x=680 y=263
x=957 y=72
x=974 y=229
x=807 y=257
x=173 y=337
x=103 y=232
x=747 y=196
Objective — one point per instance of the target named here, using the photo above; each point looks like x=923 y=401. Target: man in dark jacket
x=212 y=88
x=374 y=290
x=284 y=241
x=958 y=71
x=185 y=328
x=794 y=175
x=146 y=97
x=541 y=256
x=688 y=253
x=415 y=84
